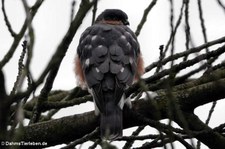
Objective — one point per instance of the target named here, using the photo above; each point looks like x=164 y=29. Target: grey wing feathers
x=108 y=55
x=108 y=49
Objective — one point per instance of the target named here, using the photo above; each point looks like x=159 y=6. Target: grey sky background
x=52 y=21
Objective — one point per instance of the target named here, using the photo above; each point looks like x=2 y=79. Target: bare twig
x=202 y=23
x=176 y=68
x=19 y=36
x=72 y=10
x=94 y=11
x=144 y=17
x=187 y=26
x=187 y=52
x=161 y=57
x=13 y=34
x=61 y=49
x=221 y=4
x=173 y=32
x=20 y=77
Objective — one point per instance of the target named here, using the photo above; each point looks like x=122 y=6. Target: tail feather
x=111 y=125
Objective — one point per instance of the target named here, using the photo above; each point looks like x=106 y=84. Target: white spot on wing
x=87 y=62
x=93 y=37
x=97 y=70
x=100 y=46
x=128 y=33
x=128 y=45
x=88 y=47
x=123 y=37
x=122 y=69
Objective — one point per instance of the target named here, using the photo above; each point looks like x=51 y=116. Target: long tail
x=111 y=125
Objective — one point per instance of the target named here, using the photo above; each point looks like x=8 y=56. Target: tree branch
x=74 y=127
x=144 y=17
x=185 y=53
x=13 y=34
x=19 y=36
x=61 y=49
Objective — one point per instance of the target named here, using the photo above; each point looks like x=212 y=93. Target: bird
x=107 y=62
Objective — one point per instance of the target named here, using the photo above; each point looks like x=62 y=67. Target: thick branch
x=74 y=127
x=61 y=130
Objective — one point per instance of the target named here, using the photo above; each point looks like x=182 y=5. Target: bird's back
x=106 y=48
x=107 y=62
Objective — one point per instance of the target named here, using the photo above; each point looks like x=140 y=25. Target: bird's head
x=113 y=16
